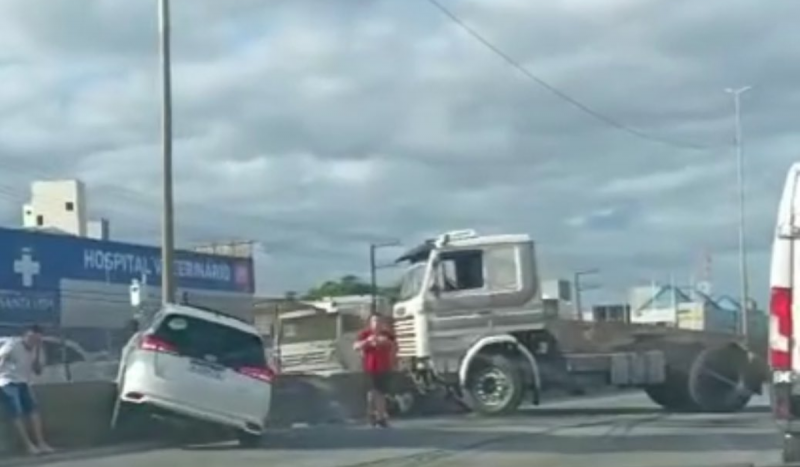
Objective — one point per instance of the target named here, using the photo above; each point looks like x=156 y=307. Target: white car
x=65 y=361
x=199 y=364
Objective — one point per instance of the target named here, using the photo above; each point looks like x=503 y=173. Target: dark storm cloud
x=316 y=126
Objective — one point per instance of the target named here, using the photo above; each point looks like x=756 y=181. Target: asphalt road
x=618 y=430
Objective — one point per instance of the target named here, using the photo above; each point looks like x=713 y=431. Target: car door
x=250 y=375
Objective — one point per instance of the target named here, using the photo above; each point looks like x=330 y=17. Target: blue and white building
x=689 y=308
x=80 y=284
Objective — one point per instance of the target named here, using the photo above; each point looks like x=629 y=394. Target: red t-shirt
x=379 y=357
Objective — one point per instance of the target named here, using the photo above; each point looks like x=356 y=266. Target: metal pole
x=373 y=280
x=743 y=276
x=577 y=281
x=167 y=221
x=579 y=289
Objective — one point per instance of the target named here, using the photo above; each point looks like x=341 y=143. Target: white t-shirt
x=16 y=361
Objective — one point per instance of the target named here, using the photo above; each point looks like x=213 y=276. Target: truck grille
x=308 y=361
x=406 y=336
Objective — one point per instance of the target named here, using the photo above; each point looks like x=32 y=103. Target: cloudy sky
x=317 y=126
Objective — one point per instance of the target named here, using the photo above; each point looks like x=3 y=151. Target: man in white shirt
x=19 y=357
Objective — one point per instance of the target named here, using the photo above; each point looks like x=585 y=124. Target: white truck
x=318 y=337
x=471 y=325
x=784 y=351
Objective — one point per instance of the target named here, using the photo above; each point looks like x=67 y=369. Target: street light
x=743 y=276
x=167 y=212
x=373 y=267
x=579 y=289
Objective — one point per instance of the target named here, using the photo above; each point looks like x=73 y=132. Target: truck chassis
x=680 y=370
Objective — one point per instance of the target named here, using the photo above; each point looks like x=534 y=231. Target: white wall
x=49 y=201
x=98 y=229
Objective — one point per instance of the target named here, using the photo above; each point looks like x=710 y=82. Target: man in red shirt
x=377 y=346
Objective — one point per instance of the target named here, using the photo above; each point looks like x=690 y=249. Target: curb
x=82 y=454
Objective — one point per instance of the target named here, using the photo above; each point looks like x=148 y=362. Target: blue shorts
x=17 y=399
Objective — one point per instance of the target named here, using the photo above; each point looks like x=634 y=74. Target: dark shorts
x=17 y=400
x=380 y=382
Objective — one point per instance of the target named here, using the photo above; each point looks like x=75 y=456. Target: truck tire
x=495 y=385
x=673 y=394
x=791 y=448
x=718 y=380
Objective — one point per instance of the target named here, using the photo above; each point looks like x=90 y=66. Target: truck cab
x=462 y=293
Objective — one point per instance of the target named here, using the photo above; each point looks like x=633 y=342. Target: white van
x=201 y=364
x=784 y=328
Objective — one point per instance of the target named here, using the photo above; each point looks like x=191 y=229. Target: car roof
x=213 y=316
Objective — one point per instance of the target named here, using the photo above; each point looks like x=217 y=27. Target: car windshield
x=225 y=345
x=411 y=282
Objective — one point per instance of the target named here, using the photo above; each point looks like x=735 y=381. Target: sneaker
x=383 y=423
x=33 y=450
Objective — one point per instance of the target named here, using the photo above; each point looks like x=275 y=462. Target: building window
x=40 y=220
x=70 y=206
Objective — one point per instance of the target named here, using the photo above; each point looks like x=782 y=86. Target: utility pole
x=743 y=276
x=168 y=213
x=373 y=272
x=580 y=288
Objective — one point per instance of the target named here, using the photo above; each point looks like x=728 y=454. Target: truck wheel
x=672 y=396
x=494 y=385
x=791 y=448
x=718 y=380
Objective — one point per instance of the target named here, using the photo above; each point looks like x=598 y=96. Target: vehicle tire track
x=433 y=456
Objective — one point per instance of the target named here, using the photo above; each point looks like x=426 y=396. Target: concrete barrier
x=77 y=415
x=314 y=399
x=74 y=415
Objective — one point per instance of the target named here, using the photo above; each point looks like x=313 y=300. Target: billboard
x=81 y=282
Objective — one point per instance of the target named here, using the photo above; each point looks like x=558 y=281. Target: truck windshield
x=319 y=327
x=411 y=282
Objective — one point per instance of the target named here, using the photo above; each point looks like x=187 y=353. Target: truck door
x=460 y=283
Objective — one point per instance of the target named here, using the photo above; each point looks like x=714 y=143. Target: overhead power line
x=603 y=118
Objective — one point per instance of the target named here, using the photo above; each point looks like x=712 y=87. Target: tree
x=346 y=285
x=290 y=296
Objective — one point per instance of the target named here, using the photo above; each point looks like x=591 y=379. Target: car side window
x=56 y=353
x=52 y=353
x=72 y=355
